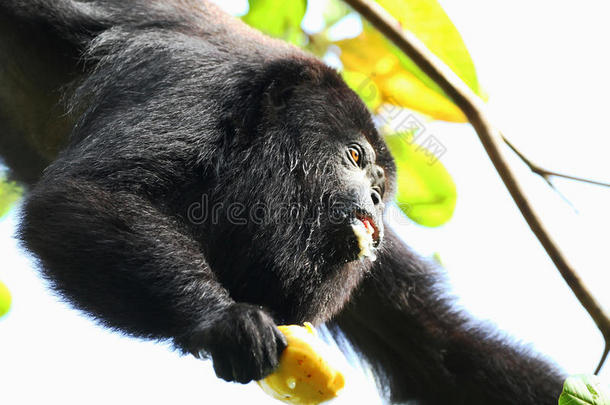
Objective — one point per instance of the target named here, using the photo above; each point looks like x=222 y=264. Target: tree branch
x=548 y=173
x=491 y=138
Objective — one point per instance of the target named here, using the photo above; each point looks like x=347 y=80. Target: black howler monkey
x=201 y=182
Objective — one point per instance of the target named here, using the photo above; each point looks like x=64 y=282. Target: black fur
x=204 y=193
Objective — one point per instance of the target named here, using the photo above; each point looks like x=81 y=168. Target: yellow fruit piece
x=303 y=376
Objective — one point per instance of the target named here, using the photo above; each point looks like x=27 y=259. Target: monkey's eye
x=355 y=154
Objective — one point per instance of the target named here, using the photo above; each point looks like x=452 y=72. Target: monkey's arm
x=422 y=348
x=121 y=259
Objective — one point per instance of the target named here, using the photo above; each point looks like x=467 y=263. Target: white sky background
x=545 y=66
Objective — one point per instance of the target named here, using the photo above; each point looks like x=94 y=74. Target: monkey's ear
x=271 y=90
x=277 y=96
x=282 y=78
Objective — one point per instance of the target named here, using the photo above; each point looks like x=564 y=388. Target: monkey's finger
x=223 y=367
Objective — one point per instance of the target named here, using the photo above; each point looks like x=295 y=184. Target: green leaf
x=5 y=299
x=426 y=192
x=584 y=390
x=278 y=18
x=10 y=192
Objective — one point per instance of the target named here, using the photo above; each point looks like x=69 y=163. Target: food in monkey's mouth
x=365 y=230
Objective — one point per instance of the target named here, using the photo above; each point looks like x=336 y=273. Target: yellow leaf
x=368 y=53
x=398 y=79
x=407 y=91
x=429 y=22
x=372 y=67
x=366 y=88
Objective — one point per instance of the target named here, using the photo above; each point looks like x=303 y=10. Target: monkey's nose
x=378 y=184
x=376 y=196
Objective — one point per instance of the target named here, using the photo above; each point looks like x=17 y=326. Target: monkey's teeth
x=363 y=229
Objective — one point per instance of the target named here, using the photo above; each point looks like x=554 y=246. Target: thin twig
x=603 y=358
x=548 y=173
x=535 y=169
x=491 y=138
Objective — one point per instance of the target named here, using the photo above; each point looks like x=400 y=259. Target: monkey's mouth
x=367 y=234
x=369 y=225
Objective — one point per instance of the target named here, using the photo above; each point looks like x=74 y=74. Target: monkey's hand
x=244 y=344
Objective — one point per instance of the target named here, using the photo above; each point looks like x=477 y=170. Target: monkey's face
x=315 y=174
x=343 y=166
x=311 y=198
x=349 y=186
